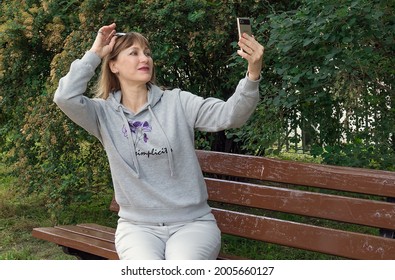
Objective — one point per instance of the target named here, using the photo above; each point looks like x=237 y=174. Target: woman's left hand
x=252 y=51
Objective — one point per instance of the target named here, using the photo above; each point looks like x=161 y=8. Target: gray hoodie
x=154 y=168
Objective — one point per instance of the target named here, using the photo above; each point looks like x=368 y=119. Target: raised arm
x=213 y=114
x=69 y=95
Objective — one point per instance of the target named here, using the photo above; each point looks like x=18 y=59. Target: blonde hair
x=108 y=81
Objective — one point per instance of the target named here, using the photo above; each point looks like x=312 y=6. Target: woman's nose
x=143 y=57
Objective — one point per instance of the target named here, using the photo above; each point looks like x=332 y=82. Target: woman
x=148 y=135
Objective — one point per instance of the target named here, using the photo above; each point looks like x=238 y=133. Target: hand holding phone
x=251 y=50
x=244 y=26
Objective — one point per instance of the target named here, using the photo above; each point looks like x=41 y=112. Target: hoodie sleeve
x=69 y=94
x=212 y=114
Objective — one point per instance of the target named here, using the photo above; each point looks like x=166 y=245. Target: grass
x=20 y=214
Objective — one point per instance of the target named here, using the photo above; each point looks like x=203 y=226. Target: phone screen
x=244 y=26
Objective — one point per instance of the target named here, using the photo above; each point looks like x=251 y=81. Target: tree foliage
x=334 y=63
x=328 y=81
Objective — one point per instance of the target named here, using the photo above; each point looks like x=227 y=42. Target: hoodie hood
x=154 y=96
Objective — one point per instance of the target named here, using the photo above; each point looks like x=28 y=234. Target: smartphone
x=244 y=26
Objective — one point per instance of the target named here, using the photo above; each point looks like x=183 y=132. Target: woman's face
x=133 y=65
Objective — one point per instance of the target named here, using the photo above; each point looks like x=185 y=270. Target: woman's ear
x=113 y=67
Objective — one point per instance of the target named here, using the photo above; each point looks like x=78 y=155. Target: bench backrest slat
x=338 y=208
x=329 y=241
x=358 y=180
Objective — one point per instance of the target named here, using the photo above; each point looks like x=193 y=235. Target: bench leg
x=81 y=255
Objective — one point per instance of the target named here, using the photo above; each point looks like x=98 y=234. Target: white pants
x=196 y=240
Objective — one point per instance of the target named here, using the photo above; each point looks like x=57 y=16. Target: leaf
x=347 y=39
x=196 y=15
x=307 y=42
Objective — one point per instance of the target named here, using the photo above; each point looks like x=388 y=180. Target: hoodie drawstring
x=130 y=141
x=168 y=146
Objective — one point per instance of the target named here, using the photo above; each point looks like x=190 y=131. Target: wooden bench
x=250 y=195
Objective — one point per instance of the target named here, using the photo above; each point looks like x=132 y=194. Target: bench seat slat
x=76 y=241
x=83 y=231
x=338 y=208
x=375 y=182
x=329 y=241
x=97 y=227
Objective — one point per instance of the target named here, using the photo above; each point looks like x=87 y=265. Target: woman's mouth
x=144 y=68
